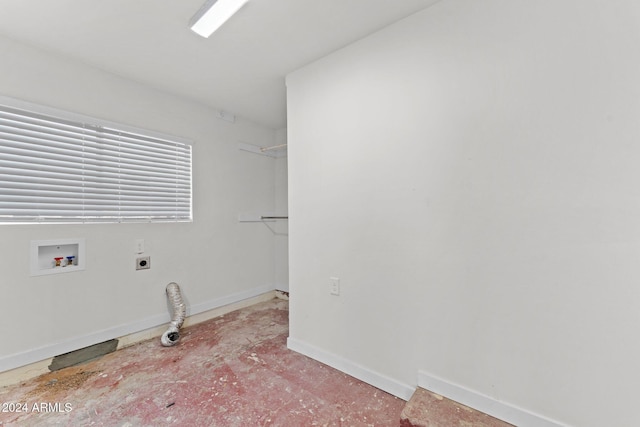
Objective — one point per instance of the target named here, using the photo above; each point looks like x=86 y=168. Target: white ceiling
x=239 y=69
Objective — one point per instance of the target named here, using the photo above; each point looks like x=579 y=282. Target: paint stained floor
x=234 y=370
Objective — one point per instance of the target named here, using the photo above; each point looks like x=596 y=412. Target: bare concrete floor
x=231 y=371
x=234 y=370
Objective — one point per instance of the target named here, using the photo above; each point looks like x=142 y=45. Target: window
x=60 y=167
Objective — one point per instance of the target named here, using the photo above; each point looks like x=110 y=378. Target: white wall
x=471 y=175
x=215 y=259
x=281 y=228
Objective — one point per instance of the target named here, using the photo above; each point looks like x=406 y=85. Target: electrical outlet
x=334 y=285
x=143 y=263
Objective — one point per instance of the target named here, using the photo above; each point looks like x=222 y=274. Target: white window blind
x=54 y=169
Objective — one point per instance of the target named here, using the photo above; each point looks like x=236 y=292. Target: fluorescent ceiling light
x=213 y=14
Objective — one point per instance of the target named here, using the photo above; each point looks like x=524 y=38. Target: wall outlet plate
x=143 y=263
x=334 y=286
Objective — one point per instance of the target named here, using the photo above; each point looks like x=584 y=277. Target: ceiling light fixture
x=213 y=14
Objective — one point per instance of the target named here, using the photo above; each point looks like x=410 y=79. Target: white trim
x=396 y=388
x=490 y=406
x=18 y=360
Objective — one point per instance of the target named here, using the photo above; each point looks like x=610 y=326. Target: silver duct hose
x=172 y=335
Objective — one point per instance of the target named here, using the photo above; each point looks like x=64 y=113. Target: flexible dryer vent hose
x=172 y=335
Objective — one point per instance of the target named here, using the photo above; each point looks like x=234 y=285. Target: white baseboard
x=391 y=386
x=490 y=406
x=128 y=333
